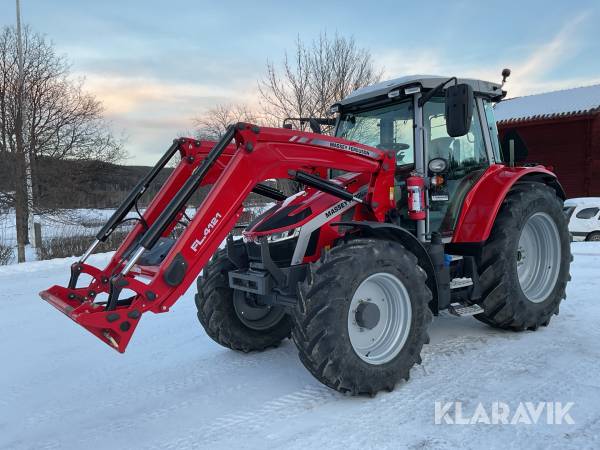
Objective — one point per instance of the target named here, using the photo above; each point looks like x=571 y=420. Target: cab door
x=466 y=156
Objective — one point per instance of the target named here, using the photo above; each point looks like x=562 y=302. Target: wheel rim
x=256 y=317
x=538 y=257
x=383 y=341
x=595 y=237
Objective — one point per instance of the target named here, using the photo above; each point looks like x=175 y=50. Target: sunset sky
x=155 y=65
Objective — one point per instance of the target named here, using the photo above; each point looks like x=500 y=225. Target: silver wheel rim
x=538 y=257
x=383 y=342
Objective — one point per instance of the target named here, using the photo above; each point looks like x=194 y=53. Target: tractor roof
x=493 y=90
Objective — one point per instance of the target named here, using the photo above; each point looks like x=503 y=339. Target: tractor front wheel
x=525 y=262
x=362 y=316
x=231 y=318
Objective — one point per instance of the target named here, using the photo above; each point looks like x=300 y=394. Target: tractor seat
x=440 y=147
x=156 y=254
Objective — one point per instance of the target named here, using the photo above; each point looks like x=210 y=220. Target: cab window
x=390 y=128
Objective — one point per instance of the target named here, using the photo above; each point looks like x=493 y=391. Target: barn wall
x=564 y=145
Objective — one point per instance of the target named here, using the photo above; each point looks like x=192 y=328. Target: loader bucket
x=113 y=327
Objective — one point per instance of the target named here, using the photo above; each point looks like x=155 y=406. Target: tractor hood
x=286 y=217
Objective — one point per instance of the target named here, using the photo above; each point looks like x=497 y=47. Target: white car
x=584 y=218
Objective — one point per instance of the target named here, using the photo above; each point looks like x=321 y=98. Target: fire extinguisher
x=415 y=185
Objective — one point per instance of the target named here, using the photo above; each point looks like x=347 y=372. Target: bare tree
x=314 y=77
x=307 y=83
x=52 y=119
x=213 y=123
x=311 y=79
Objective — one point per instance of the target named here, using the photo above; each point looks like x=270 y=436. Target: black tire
x=219 y=316
x=321 y=318
x=504 y=303
x=594 y=236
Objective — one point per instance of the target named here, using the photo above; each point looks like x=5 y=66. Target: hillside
x=69 y=184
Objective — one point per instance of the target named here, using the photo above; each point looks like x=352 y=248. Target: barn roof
x=568 y=102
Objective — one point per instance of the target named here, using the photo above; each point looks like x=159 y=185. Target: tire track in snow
x=315 y=396
x=281 y=408
x=162 y=382
x=451 y=384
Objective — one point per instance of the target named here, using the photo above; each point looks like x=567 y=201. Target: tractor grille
x=281 y=252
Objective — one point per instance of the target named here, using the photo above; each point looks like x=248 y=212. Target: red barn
x=560 y=129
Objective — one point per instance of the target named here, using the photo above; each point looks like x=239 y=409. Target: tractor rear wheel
x=525 y=262
x=231 y=318
x=362 y=316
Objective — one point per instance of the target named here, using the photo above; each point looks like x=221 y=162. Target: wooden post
x=38 y=235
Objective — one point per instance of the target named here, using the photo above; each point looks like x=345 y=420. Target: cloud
x=124 y=95
x=410 y=61
x=531 y=69
x=151 y=112
x=153 y=105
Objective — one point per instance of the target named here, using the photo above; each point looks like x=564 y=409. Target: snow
x=582 y=201
x=174 y=388
x=72 y=222
x=65 y=223
x=79 y=222
x=565 y=102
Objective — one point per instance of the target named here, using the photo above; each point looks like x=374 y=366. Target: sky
x=156 y=65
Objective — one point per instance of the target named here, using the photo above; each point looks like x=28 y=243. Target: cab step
x=457 y=283
x=461 y=310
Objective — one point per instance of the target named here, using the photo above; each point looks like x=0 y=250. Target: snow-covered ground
x=60 y=387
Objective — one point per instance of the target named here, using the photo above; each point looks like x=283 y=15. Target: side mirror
x=459 y=109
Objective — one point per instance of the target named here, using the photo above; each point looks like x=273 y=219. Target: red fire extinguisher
x=415 y=185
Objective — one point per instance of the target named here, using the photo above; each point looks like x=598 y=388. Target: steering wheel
x=398 y=147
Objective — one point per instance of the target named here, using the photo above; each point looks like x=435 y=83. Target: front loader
x=406 y=211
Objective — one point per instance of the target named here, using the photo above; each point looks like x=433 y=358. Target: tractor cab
x=413 y=117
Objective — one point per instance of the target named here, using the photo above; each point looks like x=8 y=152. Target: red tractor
x=408 y=209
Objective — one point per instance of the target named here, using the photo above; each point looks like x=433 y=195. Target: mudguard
x=482 y=203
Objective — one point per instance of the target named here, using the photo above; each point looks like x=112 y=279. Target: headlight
x=284 y=235
x=438 y=165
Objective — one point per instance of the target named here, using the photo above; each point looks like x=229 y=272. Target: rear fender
x=481 y=205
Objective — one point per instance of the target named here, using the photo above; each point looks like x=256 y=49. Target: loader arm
x=234 y=171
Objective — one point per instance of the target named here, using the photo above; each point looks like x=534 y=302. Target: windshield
x=389 y=128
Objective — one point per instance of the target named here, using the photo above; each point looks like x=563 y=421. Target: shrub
x=6 y=254
x=65 y=246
